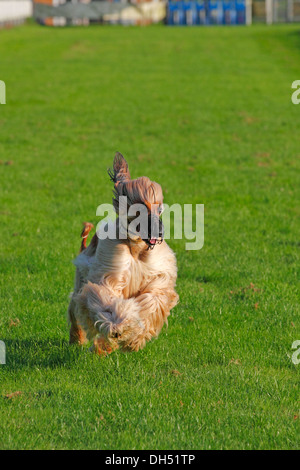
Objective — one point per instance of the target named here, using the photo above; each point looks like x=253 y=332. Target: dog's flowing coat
x=123 y=290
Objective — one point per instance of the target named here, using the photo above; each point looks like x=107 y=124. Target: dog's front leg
x=104 y=313
x=143 y=317
x=102 y=346
x=154 y=308
x=128 y=323
x=97 y=314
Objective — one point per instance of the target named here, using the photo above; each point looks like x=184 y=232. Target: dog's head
x=140 y=201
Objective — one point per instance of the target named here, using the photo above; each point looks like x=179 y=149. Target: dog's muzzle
x=155 y=232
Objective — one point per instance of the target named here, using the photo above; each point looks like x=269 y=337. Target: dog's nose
x=116 y=334
x=156 y=228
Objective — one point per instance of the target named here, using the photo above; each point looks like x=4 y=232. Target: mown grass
x=206 y=112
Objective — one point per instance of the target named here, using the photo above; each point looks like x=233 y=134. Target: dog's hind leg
x=77 y=335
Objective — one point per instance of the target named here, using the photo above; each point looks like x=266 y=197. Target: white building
x=12 y=11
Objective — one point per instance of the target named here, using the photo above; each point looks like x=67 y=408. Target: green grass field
x=207 y=113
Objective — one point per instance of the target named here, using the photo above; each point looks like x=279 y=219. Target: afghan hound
x=124 y=285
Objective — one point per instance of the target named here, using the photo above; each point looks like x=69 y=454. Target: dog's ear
x=120 y=172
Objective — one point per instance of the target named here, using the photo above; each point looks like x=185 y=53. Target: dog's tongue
x=152 y=241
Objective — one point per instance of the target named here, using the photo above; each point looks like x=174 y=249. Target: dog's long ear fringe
x=120 y=172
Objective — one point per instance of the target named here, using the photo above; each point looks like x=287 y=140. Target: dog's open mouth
x=151 y=242
x=152 y=233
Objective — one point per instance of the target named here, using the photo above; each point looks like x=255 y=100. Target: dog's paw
x=103 y=347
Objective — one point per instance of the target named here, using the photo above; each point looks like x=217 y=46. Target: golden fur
x=123 y=291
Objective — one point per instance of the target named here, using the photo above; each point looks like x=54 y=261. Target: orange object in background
x=44 y=2
x=48 y=21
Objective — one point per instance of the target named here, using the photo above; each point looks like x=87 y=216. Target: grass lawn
x=207 y=113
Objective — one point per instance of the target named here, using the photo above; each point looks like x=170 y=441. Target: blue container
x=193 y=12
x=240 y=6
x=178 y=13
x=215 y=12
x=201 y=12
x=172 y=7
x=182 y=13
x=190 y=10
x=229 y=12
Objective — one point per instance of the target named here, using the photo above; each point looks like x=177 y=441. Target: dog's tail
x=87 y=227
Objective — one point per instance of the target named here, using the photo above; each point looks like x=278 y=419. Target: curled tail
x=87 y=227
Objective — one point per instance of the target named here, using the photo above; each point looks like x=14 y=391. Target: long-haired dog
x=124 y=287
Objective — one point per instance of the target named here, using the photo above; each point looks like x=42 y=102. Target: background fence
x=276 y=11
x=193 y=12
